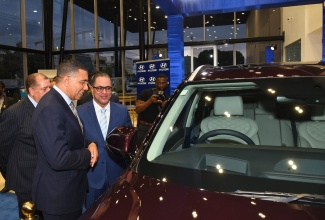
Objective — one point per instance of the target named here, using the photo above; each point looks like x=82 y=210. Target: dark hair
x=161 y=76
x=69 y=67
x=2 y=84
x=55 y=79
x=31 y=80
x=97 y=74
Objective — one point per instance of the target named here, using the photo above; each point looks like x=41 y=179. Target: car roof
x=269 y=70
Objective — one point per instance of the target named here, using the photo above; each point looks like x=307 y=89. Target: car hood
x=134 y=196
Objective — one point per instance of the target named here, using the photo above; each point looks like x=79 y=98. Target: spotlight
x=274 y=46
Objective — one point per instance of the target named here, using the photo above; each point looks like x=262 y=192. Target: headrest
x=231 y=104
x=320 y=117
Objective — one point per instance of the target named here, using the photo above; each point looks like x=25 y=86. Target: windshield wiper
x=283 y=197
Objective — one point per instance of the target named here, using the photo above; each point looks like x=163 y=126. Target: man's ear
x=91 y=89
x=31 y=91
x=65 y=80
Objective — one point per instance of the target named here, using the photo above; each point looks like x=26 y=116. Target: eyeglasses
x=101 y=89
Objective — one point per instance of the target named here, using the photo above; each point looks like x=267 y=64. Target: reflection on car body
x=239 y=142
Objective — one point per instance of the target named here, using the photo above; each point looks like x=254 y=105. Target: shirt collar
x=64 y=96
x=97 y=107
x=32 y=100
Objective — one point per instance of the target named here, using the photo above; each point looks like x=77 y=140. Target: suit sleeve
x=61 y=144
x=8 y=131
x=128 y=121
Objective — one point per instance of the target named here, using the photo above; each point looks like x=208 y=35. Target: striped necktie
x=73 y=108
x=103 y=122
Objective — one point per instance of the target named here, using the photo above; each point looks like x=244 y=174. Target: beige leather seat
x=312 y=133
x=228 y=114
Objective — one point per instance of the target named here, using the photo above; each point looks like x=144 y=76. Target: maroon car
x=239 y=142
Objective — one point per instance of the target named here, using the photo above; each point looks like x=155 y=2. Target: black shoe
x=4 y=190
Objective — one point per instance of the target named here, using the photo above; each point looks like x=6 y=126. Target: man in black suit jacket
x=60 y=180
x=5 y=102
x=17 y=147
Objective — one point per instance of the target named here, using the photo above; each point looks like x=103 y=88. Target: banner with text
x=147 y=71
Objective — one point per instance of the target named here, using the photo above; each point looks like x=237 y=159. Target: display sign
x=147 y=71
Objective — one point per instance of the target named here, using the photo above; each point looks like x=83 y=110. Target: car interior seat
x=312 y=133
x=228 y=114
x=272 y=130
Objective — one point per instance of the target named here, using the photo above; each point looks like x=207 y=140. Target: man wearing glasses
x=87 y=96
x=99 y=117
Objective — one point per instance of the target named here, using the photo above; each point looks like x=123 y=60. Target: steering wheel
x=233 y=133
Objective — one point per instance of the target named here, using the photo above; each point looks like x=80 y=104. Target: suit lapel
x=28 y=105
x=112 y=117
x=61 y=100
x=93 y=117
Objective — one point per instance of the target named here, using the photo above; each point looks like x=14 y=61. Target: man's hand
x=92 y=147
x=163 y=104
x=154 y=99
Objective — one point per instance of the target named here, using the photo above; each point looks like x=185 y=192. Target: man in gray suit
x=17 y=149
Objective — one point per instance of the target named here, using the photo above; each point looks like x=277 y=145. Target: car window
x=244 y=129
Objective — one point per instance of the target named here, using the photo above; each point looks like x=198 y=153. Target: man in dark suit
x=96 y=126
x=60 y=180
x=5 y=102
x=17 y=147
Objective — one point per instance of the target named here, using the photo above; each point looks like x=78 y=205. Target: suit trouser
x=70 y=216
x=93 y=194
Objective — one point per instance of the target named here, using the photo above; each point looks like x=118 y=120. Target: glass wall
x=11 y=69
x=57 y=25
x=10 y=31
x=84 y=27
x=34 y=24
x=232 y=38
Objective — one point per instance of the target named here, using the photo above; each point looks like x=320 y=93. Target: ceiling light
x=274 y=46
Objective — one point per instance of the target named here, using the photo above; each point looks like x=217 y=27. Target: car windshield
x=260 y=135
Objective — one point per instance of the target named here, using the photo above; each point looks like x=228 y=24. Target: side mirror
x=123 y=141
